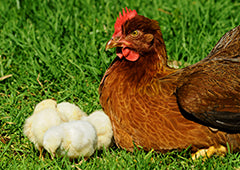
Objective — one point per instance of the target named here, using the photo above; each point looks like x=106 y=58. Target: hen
x=161 y=108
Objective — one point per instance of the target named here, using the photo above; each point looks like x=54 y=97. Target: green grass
x=55 y=49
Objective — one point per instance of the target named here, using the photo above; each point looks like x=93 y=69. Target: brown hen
x=161 y=108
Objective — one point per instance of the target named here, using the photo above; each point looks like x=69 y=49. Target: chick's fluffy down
x=45 y=104
x=103 y=126
x=70 y=112
x=78 y=138
x=36 y=125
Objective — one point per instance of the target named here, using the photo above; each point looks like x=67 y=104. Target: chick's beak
x=53 y=156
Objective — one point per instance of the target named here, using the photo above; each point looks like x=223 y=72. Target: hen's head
x=136 y=36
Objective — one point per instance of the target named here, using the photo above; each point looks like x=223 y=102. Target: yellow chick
x=70 y=112
x=103 y=126
x=74 y=139
x=53 y=139
x=44 y=116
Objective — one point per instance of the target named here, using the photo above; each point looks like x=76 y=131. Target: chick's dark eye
x=134 y=33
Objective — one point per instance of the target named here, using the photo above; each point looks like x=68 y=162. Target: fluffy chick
x=53 y=139
x=75 y=138
x=70 y=112
x=39 y=122
x=103 y=126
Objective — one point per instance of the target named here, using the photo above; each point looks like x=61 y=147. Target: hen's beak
x=115 y=42
x=111 y=44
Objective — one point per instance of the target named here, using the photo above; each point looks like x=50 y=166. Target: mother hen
x=161 y=108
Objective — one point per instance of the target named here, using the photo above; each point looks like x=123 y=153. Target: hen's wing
x=210 y=90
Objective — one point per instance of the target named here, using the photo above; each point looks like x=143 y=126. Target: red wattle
x=130 y=54
x=125 y=51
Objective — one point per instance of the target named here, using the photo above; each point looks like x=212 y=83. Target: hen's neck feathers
x=152 y=64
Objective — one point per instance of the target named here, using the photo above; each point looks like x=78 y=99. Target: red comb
x=129 y=14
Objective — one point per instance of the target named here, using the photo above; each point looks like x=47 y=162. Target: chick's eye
x=134 y=33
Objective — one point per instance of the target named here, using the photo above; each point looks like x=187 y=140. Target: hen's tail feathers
x=228 y=47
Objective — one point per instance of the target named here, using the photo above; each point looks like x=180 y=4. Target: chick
x=103 y=126
x=44 y=116
x=70 y=112
x=53 y=139
x=75 y=138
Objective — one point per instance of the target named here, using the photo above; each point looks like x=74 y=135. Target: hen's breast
x=148 y=115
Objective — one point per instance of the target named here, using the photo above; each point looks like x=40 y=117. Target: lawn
x=55 y=49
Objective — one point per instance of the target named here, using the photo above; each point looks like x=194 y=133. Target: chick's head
x=70 y=112
x=52 y=139
x=45 y=104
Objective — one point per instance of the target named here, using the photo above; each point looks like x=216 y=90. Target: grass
x=55 y=49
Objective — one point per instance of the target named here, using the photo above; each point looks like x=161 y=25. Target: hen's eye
x=134 y=33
